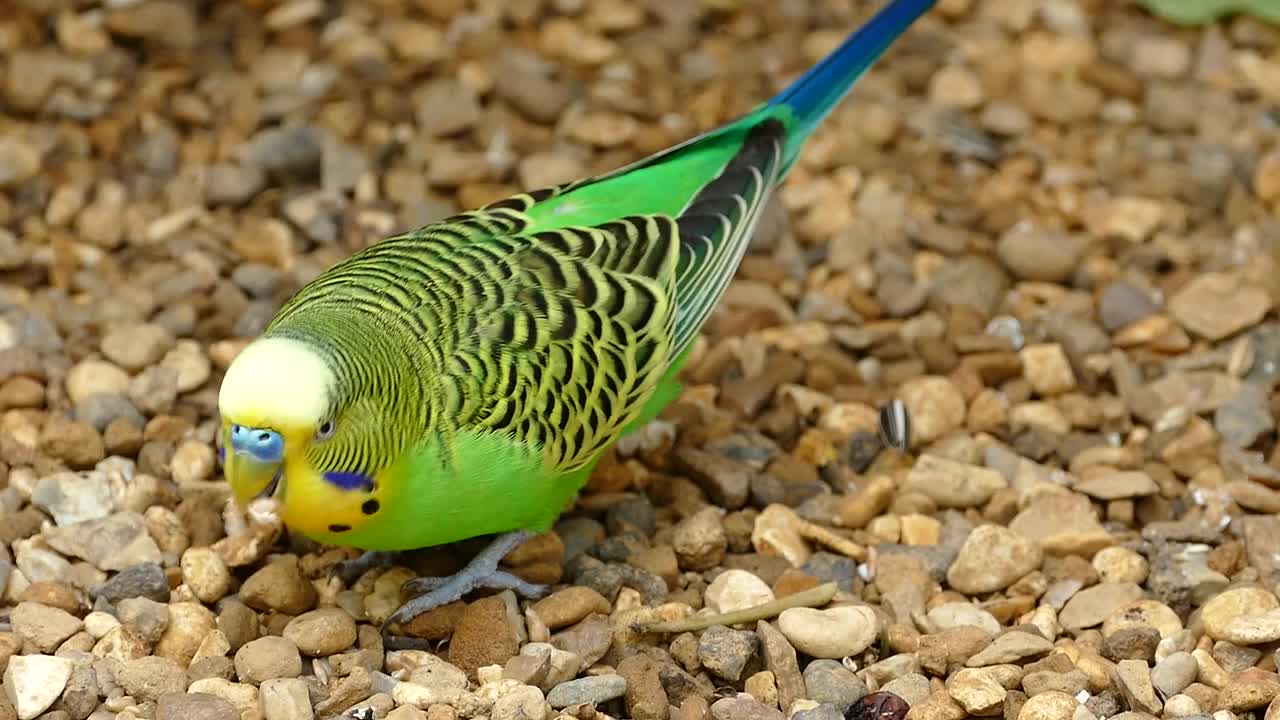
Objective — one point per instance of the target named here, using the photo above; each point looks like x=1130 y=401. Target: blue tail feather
x=812 y=96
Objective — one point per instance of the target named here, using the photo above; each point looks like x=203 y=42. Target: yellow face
x=275 y=406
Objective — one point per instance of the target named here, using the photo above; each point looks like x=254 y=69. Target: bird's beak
x=253 y=462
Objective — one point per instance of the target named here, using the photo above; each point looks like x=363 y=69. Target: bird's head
x=300 y=430
x=276 y=402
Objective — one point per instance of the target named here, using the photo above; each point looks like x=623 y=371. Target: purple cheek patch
x=222 y=455
x=349 y=480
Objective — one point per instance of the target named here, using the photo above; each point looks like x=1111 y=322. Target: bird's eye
x=326 y=430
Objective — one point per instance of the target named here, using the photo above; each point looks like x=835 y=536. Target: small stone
x=992 y=558
x=141 y=580
x=828 y=681
x=1253 y=688
x=962 y=614
x=1226 y=608
x=189 y=624
x=935 y=405
x=734 y=590
x=1051 y=705
x=483 y=636
x=145 y=618
x=743 y=707
x=1119 y=486
x=1039 y=254
x=977 y=691
x=1062 y=524
x=953 y=484
x=699 y=540
x=569 y=606
x=206 y=573
x=322 y=632
x=832 y=633
x=522 y=703
x=1047 y=368
x=136 y=346
x=279 y=586
x=1120 y=565
x=1174 y=673
x=44 y=627
x=1133 y=679
x=725 y=653
x=956 y=86
x=598 y=690
x=268 y=658
x=1091 y=606
x=1255 y=630
x=780 y=659
x=1010 y=647
x=1131 y=643
x=725 y=480
x=34 y=682
x=74 y=497
x=149 y=678
x=1218 y=305
x=285 y=699
x=195 y=706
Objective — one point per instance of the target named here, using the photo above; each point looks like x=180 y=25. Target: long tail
x=813 y=95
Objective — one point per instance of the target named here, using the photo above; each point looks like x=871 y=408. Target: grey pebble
x=142 y=580
x=828 y=681
x=725 y=653
x=1174 y=673
x=597 y=689
x=825 y=711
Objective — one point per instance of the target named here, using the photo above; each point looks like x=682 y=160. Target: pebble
x=835 y=633
x=595 y=689
x=569 y=606
x=1218 y=305
x=725 y=652
x=322 y=632
x=279 y=586
x=1226 y=609
x=197 y=706
x=830 y=682
x=1174 y=673
x=977 y=691
x=75 y=497
x=699 y=540
x=206 y=573
x=484 y=637
x=743 y=707
x=734 y=590
x=34 y=682
x=992 y=558
x=1253 y=688
x=962 y=614
x=268 y=658
x=1038 y=254
x=1120 y=565
x=1051 y=705
x=953 y=484
x=145 y=618
x=45 y=628
x=935 y=405
x=149 y=678
x=285 y=699
x=1010 y=647
x=136 y=346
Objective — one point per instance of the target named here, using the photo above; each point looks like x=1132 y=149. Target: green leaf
x=1199 y=12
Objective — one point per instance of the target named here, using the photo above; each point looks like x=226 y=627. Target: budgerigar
x=463 y=379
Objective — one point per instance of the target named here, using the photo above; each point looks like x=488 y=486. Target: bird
x=463 y=379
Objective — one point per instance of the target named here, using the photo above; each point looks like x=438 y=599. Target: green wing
x=527 y=319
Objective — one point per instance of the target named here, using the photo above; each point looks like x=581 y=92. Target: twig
x=813 y=597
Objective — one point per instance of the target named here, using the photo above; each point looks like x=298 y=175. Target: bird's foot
x=481 y=572
x=351 y=570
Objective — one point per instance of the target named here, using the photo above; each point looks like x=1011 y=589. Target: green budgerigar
x=463 y=379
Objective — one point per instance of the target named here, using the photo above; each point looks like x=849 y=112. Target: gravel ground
x=1049 y=227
